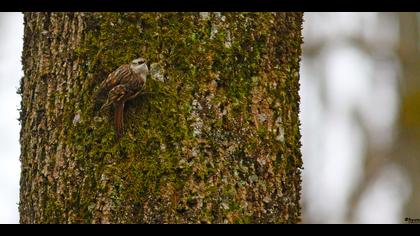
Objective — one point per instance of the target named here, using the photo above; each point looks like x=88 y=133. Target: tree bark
x=217 y=142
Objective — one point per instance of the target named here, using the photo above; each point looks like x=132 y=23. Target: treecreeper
x=123 y=84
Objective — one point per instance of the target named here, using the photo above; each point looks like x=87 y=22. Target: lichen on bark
x=217 y=141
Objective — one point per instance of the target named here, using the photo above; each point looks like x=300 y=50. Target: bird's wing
x=116 y=76
x=118 y=94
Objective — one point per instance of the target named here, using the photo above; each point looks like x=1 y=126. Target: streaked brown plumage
x=123 y=84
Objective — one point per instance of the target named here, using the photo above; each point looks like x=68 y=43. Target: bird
x=121 y=85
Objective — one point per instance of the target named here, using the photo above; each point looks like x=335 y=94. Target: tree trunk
x=406 y=149
x=217 y=142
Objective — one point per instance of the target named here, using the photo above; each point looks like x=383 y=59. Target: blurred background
x=360 y=114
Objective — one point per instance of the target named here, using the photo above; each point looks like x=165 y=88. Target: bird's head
x=139 y=66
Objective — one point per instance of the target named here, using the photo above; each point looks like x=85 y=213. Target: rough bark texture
x=217 y=142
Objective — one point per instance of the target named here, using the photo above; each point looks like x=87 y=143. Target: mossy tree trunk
x=217 y=142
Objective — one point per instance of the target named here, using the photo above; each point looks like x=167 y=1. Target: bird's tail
x=119 y=113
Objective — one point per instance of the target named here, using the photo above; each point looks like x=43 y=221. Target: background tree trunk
x=217 y=142
x=406 y=149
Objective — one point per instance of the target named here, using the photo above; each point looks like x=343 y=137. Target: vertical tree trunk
x=406 y=148
x=217 y=142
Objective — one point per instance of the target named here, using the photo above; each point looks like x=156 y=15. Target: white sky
x=11 y=31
